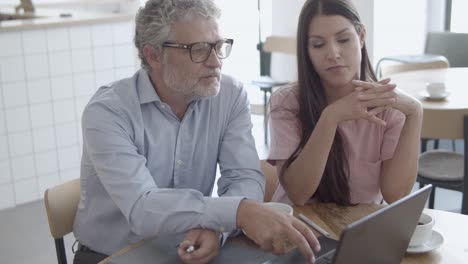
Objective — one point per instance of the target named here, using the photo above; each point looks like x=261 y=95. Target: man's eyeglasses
x=200 y=51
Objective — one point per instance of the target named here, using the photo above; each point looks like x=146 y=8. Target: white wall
x=285 y=17
x=47 y=76
x=399 y=28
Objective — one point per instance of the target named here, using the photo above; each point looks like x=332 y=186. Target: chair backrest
x=388 y=69
x=61 y=203
x=274 y=44
x=279 y=44
x=453 y=46
x=271 y=179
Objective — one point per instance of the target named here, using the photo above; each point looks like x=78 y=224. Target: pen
x=190 y=249
x=314 y=225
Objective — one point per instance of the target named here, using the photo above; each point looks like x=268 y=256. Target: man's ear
x=153 y=57
x=362 y=35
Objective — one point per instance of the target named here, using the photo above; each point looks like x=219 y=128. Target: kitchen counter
x=46 y=18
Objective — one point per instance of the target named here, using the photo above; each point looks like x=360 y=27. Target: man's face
x=183 y=77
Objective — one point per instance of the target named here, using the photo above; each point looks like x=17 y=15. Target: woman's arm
x=302 y=177
x=399 y=173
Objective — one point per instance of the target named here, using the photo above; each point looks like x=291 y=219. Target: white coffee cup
x=435 y=89
x=281 y=207
x=423 y=231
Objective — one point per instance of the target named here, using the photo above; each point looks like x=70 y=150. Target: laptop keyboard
x=326 y=259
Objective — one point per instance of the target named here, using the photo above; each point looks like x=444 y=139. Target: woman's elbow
x=298 y=200
x=393 y=196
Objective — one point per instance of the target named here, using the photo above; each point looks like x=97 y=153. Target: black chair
x=265 y=82
x=446 y=169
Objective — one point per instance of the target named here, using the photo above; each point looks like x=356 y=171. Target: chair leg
x=60 y=248
x=436 y=143
x=265 y=115
x=423 y=145
x=464 y=209
x=432 y=198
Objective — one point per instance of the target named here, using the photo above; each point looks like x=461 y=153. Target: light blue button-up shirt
x=144 y=172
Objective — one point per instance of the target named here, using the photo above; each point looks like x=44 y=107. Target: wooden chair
x=271 y=179
x=61 y=203
x=436 y=62
x=405 y=63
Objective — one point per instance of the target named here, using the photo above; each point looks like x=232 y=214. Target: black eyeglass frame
x=189 y=48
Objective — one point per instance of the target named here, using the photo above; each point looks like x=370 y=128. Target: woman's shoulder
x=286 y=95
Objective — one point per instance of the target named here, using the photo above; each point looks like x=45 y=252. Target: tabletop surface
x=334 y=219
x=455 y=79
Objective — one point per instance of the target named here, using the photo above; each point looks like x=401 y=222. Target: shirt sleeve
x=284 y=126
x=148 y=209
x=395 y=121
x=238 y=159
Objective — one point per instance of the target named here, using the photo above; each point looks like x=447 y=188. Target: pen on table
x=314 y=225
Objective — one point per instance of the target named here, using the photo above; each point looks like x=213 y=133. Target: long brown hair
x=334 y=185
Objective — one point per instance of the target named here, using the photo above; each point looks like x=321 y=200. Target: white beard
x=188 y=85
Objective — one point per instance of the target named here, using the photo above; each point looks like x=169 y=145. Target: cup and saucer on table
x=425 y=238
x=434 y=91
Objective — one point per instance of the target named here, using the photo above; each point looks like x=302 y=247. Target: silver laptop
x=381 y=237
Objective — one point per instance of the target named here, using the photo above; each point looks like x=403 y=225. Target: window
x=458 y=22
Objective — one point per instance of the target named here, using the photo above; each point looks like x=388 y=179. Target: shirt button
x=221 y=229
x=179 y=162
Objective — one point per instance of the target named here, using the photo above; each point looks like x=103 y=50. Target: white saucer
x=426 y=96
x=436 y=240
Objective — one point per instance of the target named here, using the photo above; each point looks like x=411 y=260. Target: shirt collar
x=146 y=91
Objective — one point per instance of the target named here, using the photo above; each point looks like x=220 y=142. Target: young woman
x=338 y=135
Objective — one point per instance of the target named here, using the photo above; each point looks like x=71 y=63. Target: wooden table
x=453 y=227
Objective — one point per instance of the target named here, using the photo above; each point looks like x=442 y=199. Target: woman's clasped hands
x=371 y=98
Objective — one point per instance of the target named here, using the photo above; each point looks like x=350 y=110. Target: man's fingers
x=308 y=234
x=303 y=240
x=202 y=254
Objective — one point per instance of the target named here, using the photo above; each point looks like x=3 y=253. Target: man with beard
x=152 y=142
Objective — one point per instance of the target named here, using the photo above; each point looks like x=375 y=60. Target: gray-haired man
x=151 y=144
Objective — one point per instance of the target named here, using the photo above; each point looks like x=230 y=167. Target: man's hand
x=205 y=243
x=274 y=231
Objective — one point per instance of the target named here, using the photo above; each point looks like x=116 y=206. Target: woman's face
x=334 y=48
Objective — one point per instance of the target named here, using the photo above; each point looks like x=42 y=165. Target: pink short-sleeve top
x=366 y=144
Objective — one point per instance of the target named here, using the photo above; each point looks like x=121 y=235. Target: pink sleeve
x=284 y=127
x=395 y=121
